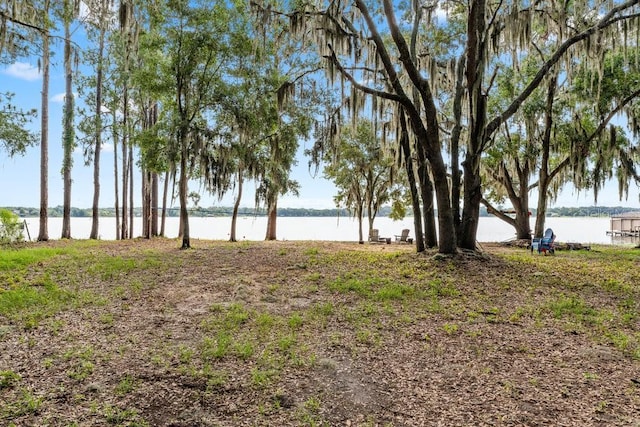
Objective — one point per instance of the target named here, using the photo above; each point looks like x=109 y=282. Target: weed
x=439 y=288
x=589 y=376
x=314 y=277
x=125 y=385
x=31 y=303
x=571 y=306
x=262 y=377
x=295 y=321
x=601 y=406
x=311 y=251
x=185 y=354
x=106 y=319
x=215 y=378
x=368 y=337
x=265 y=322
x=81 y=370
x=450 y=328
x=215 y=348
x=309 y=412
x=244 y=350
x=394 y=291
x=110 y=268
x=324 y=309
x=128 y=417
x=286 y=343
x=8 y=379
x=26 y=404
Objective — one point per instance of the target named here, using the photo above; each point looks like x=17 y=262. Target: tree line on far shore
x=385 y=211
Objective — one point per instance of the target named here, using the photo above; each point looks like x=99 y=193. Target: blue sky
x=20 y=176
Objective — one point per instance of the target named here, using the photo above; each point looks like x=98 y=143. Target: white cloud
x=24 y=71
x=59 y=98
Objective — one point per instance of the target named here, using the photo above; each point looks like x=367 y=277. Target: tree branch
x=606 y=21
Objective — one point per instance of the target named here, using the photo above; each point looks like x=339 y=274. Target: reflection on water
x=584 y=230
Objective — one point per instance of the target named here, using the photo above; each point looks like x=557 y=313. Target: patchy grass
x=311 y=333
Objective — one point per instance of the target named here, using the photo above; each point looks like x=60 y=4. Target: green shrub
x=11 y=228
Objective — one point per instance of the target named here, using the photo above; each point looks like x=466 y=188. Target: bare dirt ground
x=336 y=334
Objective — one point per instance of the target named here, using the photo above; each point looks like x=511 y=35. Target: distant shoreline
x=225 y=211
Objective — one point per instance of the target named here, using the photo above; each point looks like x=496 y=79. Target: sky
x=20 y=176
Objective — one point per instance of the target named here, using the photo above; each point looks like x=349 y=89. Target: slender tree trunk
x=413 y=187
x=428 y=210
x=130 y=162
x=68 y=131
x=164 y=204
x=545 y=178
x=236 y=205
x=116 y=179
x=43 y=234
x=124 y=232
x=154 y=204
x=456 y=175
x=95 y=215
x=146 y=204
x=184 y=190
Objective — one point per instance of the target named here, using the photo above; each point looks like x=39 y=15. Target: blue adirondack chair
x=544 y=244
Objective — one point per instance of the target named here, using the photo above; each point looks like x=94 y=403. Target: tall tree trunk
x=164 y=204
x=446 y=228
x=413 y=188
x=477 y=121
x=184 y=190
x=68 y=131
x=95 y=213
x=236 y=205
x=43 y=234
x=456 y=175
x=146 y=204
x=545 y=178
x=116 y=178
x=154 y=204
x=124 y=232
x=130 y=162
x=272 y=215
x=428 y=210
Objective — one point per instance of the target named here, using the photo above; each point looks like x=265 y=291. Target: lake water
x=579 y=229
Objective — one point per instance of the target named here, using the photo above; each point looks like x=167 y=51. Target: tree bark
x=272 y=213
x=116 y=178
x=130 y=162
x=413 y=188
x=236 y=206
x=43 y=234
x=154 y=204
x=184 y=189
x=98 y=140
x=165 y=192
x=475 y=65
x=68 y=131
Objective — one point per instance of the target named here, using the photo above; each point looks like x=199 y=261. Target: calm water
x=581 y=230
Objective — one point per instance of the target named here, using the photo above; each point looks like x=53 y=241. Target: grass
x=111 y=324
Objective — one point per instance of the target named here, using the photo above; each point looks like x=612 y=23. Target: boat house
x=625 y=224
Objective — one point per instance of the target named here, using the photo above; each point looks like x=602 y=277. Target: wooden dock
x=624 y=233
